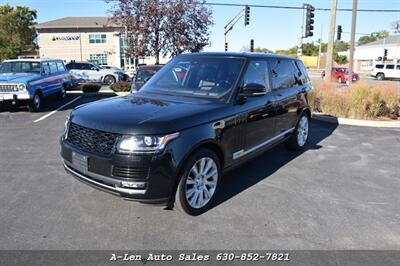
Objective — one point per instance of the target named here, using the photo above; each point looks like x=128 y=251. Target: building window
x=97 y=38
x=366 y=64
x=100 y=59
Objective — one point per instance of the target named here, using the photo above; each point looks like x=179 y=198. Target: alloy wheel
x=36 y=101
x=201 y=182
x=302 y=131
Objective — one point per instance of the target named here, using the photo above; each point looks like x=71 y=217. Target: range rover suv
x=172 y=141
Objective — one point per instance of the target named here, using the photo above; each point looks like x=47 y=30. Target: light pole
x=352 y=40
x=331 y=39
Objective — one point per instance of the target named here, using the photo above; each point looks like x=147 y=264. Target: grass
x=122 y=86
x=360 y=101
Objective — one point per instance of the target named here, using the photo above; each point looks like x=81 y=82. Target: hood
x=146 y=114
x=18 y=77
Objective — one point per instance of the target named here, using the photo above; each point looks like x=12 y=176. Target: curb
x=356 y=122
x=122 y=93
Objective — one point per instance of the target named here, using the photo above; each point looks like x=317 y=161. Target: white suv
x=86 y=72
x=386 y=71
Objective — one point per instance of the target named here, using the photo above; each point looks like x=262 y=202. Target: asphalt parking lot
x=342 y=192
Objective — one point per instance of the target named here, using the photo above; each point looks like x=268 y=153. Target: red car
x=341 y=74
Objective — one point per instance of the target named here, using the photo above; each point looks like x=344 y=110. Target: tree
x=373 y=37
x=155 y=27
x=340 y=59
x=16 y=30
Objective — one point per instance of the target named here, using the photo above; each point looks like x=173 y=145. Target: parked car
x=27 y=81
x=86 y=72
x=172 y=141
x=341 y=74
x=386 y=71
x=143 y=74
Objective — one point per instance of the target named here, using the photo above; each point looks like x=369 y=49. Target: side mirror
x=254 y=89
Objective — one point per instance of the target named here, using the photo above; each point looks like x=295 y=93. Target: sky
x=270 y=28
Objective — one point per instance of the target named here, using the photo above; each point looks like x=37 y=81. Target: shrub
x=122 y=86
x=361 y=100
x=90 y=88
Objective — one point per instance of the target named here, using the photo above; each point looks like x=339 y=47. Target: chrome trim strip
x=91 y=181
x=242 y=153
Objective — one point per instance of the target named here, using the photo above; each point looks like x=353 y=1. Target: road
x=342 y=192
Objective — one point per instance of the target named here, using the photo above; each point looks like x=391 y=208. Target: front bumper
x=14 y=96
x=154 y=185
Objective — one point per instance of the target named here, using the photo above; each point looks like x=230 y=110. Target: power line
x=300 y=7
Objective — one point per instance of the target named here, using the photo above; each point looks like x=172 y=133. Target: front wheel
x=35 y=103
x=300 y=135
x=199 y=183
x=380 y=76
x=339 y=80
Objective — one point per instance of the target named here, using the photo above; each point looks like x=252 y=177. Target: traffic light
x=385 y=52
x=309 y=21
x=339 y=32
x=226 y=47
x=251 y=45
x=246 y=15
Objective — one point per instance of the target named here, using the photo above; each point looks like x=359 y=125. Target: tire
x=339 y=80
x=35 y=103
x=300 y=135
x=191 y=194
x=62 y=94
x=109 y=80
x=380 y=76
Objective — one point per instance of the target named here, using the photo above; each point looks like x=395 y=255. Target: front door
x=259 y=110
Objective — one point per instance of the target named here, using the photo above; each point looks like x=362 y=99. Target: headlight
x=143 y=144
x=21 y=87
x=66 y=126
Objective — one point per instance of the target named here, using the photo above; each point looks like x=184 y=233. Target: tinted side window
x=282 y=74
x=379 y=66
x=84 y=66
x=389 y=66
x=302 y=71
x=398 y=67
x=60 y=66
x=53 y=67
x=257 y=73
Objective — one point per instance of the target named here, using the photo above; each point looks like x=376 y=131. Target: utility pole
x=331 y=39
x=319 y=50
x=352 y=40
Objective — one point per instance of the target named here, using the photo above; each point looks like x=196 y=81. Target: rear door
x=390 y=71
x=285 y=88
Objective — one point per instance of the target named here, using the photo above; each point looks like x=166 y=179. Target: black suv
x=172 y=141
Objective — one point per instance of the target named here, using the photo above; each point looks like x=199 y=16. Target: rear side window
x=398 y=67
x=282 y=74
x=389 y=66
x=60 y=66
x=46 y=68
x=53 y=67
x=256 y=73
x=379 y=66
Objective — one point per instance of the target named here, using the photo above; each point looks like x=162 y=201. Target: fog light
x=133 y=184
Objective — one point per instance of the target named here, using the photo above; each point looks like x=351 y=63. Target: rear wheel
x=109 y=80
x=62 y=93
x=199 y=182
x=35 y=103
x=380 y=76
x=300 y=135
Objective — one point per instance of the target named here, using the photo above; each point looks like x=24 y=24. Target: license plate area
x=80 y=162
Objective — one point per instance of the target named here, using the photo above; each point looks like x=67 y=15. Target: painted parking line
x=59 y=108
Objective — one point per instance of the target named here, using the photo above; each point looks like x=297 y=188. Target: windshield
x=207 y=77
x=20 y=67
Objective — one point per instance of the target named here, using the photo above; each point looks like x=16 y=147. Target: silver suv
x=86 y=72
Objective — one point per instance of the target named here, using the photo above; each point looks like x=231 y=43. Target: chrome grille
x=8 y=88
x=91 y=140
